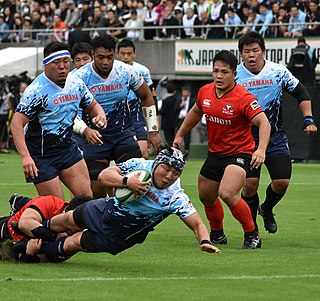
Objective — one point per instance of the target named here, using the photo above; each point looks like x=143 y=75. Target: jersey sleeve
x=86 y=96
x=288 y=80
x=30 y=103
x=182 y=206
x=130 y=165
x=199 y=98
x=251 y=106
x=147 y=77
x=136 y=79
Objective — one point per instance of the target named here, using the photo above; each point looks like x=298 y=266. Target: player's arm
x=301 y=94
x=29 y=220
x=149 y=108
x=191 y=120
x=261 y=120
x=195 y=223
x=112 y=177
x=19 y=121
x=92 y=136
x=97 y=114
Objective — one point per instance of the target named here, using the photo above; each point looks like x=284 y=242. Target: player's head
x=252 y=50
x=81 y=54
x=226 y=57
x=167 y=167
x=224 y=71
x=126 y=51
x=104 y=41
x=251 y=38
x=104 y=48
x=56 y=62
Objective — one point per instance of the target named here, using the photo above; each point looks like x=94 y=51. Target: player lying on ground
x=112 y=227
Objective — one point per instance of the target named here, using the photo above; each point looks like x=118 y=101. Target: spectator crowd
x=22 y=20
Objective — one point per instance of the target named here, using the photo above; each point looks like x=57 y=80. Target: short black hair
x=81 y=47
x=54 y=47
x=226 y=57
x=126 y=43
x=171 y=87
x=104 y=41
x=251 y=38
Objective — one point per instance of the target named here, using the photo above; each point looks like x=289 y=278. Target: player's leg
x=208 y=185
x=250 y=192
x=77 y=179
x=229 y=190
x=280 y=169
x=50 y=187
x=95 y=167
x=140 y=129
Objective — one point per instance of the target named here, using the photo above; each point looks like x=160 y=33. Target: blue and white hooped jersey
x=51 y=111
x=112 y=93
x=267 y=87
x=151 y=207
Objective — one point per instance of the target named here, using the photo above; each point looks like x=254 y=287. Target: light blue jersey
x=114 y=226
x=150 y=207
x=51 y=111
x=268 y=87
x=137 y=116
x=112 y=93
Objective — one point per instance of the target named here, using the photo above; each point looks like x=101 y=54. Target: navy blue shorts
x=214 y=166
x=115 y=146
x=278 y=168
x=80 y=140
x=278 y=145
x=139 y=124
x=104 y=232
x=51 y=165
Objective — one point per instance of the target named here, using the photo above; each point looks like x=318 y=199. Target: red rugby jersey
x=49 y=206
x=228 y=119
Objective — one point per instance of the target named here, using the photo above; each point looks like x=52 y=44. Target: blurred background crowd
x=27 y=20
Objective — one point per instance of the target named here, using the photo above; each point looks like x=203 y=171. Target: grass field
x=170 y=266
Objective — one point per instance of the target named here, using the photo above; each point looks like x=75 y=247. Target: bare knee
x=250 y=187
x=280 y=186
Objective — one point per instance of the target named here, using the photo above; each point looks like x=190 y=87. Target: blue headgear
x=172 y=157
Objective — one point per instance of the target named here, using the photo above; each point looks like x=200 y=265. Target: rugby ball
x=125 y=195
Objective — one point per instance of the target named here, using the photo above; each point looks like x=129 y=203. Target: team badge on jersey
x=255 y=105
x=227 y=110
x=206 y=102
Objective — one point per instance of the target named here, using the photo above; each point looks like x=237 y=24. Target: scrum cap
x=172 y=157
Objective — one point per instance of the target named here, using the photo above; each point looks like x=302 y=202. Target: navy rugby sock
x=54 y=248
x=253 y=203
x=272 y=199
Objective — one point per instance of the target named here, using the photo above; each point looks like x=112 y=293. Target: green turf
x=170 y=266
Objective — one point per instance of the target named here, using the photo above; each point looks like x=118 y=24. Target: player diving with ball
x=112 y=226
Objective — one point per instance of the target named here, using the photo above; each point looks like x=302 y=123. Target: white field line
x=244 y=277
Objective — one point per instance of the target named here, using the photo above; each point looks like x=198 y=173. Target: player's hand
x=100 y=122
x=92 y=136
x=177 y=142
x=258 y=158
x=136 y=186
x=29 y=167
x=155 y=140
x=210 y=248
x=311 y=129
